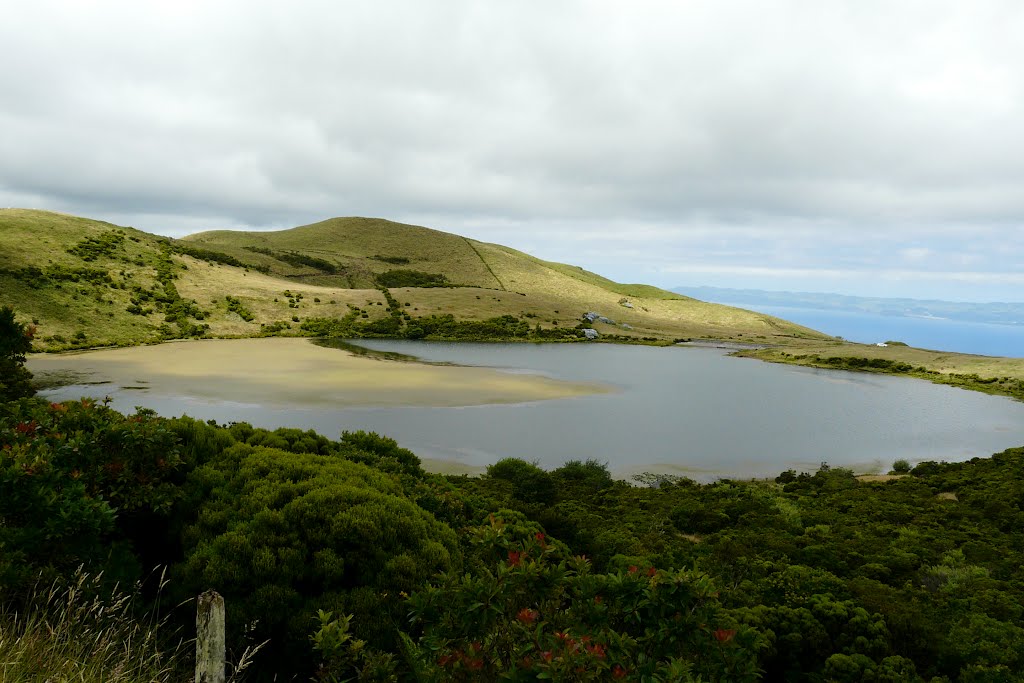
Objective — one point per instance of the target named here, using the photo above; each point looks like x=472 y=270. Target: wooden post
x=210 y=638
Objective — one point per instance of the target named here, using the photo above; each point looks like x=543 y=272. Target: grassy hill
x=87 y=283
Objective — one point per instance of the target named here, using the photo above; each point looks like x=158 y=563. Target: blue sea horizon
x=941 y=334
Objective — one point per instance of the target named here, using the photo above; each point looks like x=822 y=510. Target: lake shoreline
x=993 y=385
x=294 y=371
x=697 y=414
x=936 y=366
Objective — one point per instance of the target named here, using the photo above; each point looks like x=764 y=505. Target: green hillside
x=88 y=283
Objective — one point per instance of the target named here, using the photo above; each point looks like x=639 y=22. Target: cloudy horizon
x=863 y=148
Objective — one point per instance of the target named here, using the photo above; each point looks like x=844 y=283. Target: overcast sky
x=860 y=147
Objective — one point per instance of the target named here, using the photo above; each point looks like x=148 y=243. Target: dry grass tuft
x=75 y=631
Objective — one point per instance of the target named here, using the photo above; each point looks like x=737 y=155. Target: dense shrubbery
x=104 y=244
x=80 y=483
x=15 y=343
x=529 y=611
x=411 y=278
x=505 y=327
x=282 y=534
x=211 y=256
x=441 y=327
x=235 y=305
x=818 y=577
x=814 y=577
x=298 y=260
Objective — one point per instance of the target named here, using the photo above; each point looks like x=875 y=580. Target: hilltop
x=86 y=283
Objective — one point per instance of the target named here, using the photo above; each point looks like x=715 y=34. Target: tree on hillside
x=15 y=342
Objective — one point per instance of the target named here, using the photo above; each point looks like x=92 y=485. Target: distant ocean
x=927 y=333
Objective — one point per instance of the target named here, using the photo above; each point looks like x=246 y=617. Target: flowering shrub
x=76 y=478
x=528 y=611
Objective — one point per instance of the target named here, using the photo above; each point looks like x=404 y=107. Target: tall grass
x=75 y=630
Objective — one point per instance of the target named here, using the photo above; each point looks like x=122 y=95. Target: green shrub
x=211 y=256
x=82 y=484
x=15 y=343
x=235 y=306
x=411 y=278
x=299 y=260
x=529 y=483
x=582 y=478
x=91 y=248
x=528 y=612
x=901 y=466
x=381 y=452
x=281 y=535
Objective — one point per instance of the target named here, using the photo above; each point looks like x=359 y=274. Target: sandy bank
x=296 y=373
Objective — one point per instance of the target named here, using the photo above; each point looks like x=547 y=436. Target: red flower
x=724 y=635
x=475 y=664
x=597 y=599
x=514 y=558
x=546 y=655
x=539 y=536
x=597 y=649
x=26 y=427
x=527 y=615
x=618 y=672
x=652 y=571
x=633 y=569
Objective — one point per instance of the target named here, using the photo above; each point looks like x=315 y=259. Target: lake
x=690 y=411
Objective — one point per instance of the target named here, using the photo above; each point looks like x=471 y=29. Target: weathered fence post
x=210 y=638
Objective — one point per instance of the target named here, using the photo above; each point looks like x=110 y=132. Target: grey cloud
x=759 y=135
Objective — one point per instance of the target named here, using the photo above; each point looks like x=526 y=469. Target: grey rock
x=591 y=333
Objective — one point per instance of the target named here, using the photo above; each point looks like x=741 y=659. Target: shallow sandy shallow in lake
x=297 y=373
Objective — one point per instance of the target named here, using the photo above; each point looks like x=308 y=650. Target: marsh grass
x=78 y=630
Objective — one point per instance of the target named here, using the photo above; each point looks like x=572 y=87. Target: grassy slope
x=60 y=310
x=496 y=280
x=41 y=239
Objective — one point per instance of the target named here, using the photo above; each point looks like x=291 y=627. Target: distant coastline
x=990 y=329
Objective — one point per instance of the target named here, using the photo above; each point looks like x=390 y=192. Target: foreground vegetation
x=356 y=564
x=80 y=629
